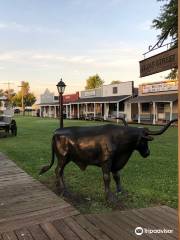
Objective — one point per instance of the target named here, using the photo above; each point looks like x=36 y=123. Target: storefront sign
x=160 y=87
x=159 y=63
x=90 y=93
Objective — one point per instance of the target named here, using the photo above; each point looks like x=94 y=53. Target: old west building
x=156 y=102
x=108 y=101
x=49 y=104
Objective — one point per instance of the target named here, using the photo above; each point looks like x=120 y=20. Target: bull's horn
x=158 y=132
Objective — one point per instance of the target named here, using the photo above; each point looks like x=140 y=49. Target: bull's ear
x=148 y=138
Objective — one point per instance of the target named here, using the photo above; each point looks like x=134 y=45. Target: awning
x=103 y=99
x=155 y=98
x=113 y=99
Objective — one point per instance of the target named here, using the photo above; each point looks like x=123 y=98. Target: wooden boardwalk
x=30 y=211
x=24 y=200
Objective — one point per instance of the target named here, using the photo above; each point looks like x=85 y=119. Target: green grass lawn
x=146 y=182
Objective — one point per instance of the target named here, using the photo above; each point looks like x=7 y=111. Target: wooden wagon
x=8 y=125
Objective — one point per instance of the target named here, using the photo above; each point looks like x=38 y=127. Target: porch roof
x=112 y=99
x=155 y=98
x=103 y=99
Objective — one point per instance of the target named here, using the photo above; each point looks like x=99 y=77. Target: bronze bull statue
x=108 y=146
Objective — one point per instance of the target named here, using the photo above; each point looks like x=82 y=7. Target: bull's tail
x=47 y=167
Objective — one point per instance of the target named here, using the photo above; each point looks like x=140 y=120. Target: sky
x=45 y=40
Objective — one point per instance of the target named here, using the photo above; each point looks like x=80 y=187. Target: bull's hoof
x=62 y=192
x=66 y=193
x=111 y=198
x=119 y=191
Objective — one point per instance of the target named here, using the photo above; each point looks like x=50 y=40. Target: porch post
x=117 y=111
x=55 y=111
x=171 y=110
x=154 y=112
x=86 y=109
x=94 y=110
x=48 y=111
x=78 y=110
x=105 y=111
x=70 y=112
x=67 y=116
x=139 y=112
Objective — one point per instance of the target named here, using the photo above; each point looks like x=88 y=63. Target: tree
x=1 y=92
x=167 y=23
x=9 y=94
x=24 y=97
x=115 y=82
x=94 y=82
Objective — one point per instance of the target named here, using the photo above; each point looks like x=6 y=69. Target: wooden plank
x=51 y=231
x=154 y=223
x=37 y=232
x=173 y=211
x=126 y=226
x=157 y=218
x=26 y=189
x=40 y=212
x=36 y=218
x=64 y=230
x=76 y=228
x=141 y=221
x=18 y=198
x=168 y=217
x=88 y=226
x=23 y=234
x=9 y=236
x=107 y=227
x=26 y=208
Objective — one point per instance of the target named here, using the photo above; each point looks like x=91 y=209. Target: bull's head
x=142 y=144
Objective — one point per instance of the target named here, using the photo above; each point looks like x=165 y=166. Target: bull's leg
x=116 y=177
x=61 y=176
x=57 y=175
x=107 y=179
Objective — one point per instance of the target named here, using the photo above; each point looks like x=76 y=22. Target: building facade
x=157 y=102
x=108 y=101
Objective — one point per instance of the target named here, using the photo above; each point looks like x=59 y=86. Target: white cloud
x=116 y=57
x=13 y=26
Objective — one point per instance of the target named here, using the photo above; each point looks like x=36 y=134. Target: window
x=145 y=107
x=121 y=106
x=115 y=90
x=56 y=98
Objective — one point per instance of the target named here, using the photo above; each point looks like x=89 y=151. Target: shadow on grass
x=86 y=204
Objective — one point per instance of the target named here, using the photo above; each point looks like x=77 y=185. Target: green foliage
x=167 y=23
x=9 y=93
x=115 y=82
x=173 y=74
x=1 y=92
x=146 y=182
x=94 y=82
x=28 y=97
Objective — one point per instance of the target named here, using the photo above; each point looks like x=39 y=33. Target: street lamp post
x=61 y=88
